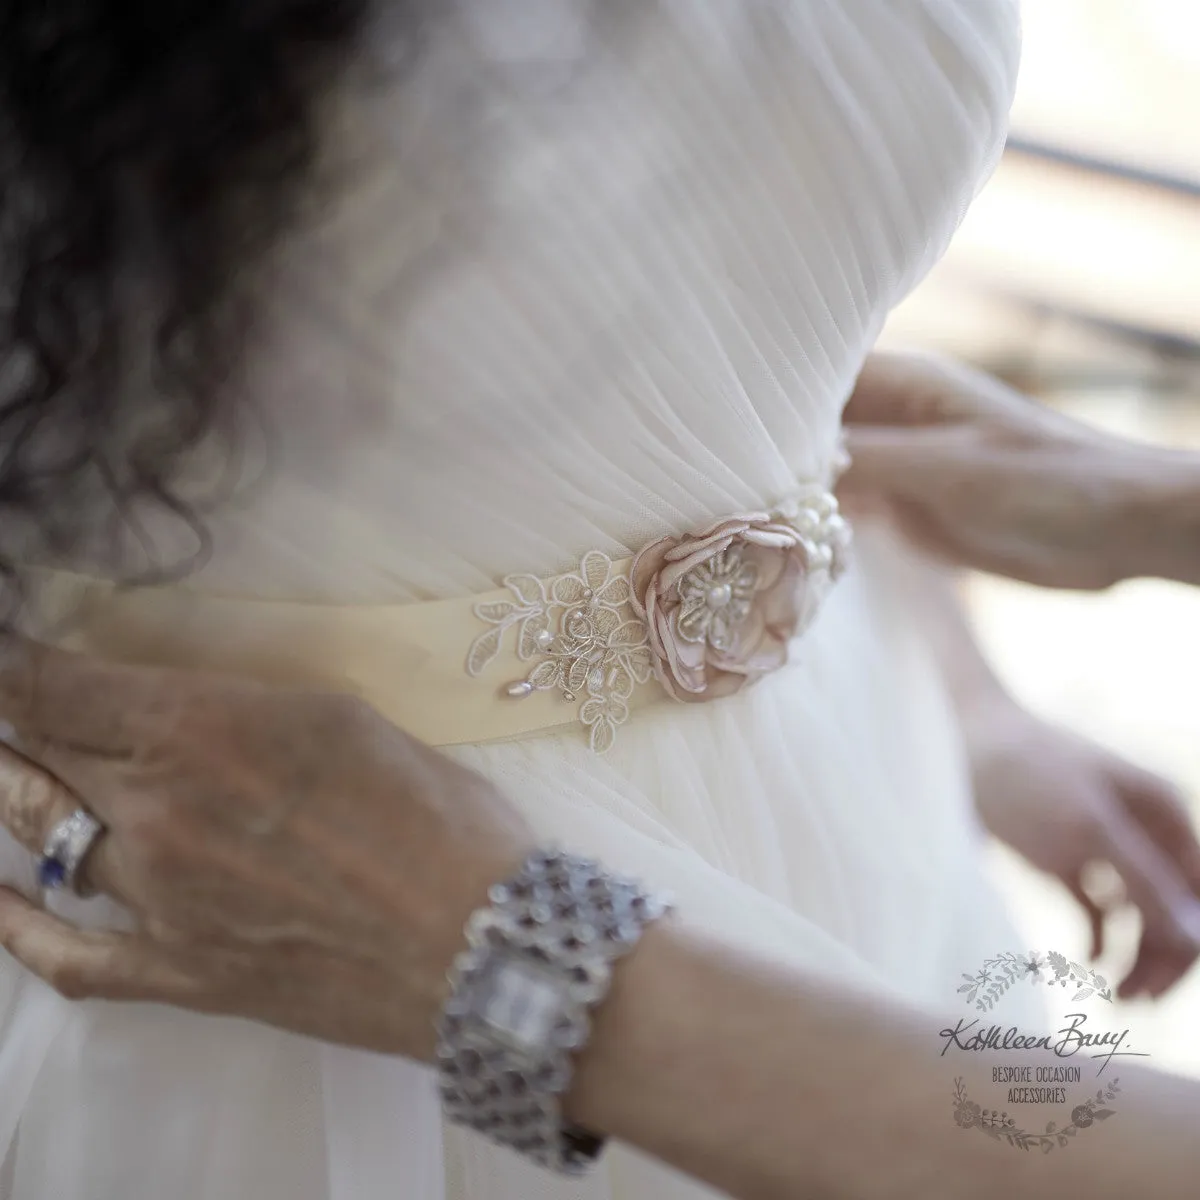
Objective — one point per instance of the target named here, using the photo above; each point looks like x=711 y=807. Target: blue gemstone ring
x=67 y=844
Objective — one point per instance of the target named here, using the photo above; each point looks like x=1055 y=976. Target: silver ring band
x=67 y=844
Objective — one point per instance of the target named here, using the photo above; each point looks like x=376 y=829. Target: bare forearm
x=1165 y=509
x=769 y=1083
x=983 y=478
x=773 y=1083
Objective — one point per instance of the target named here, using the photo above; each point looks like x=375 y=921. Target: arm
x=1064 y=803
x=261 y=894
x=771 y=1084
x=982 y=477
x=1166 y=507
x=766 y=1081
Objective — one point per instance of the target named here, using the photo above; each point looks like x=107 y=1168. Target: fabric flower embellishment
x=722 y=604
x=705 y=613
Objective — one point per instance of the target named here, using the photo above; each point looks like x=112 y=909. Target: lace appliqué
x=582 y=635
x=707 y=613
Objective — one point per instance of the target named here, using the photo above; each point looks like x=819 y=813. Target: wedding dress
x=588 y=274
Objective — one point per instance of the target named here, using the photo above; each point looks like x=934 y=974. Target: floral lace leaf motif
x=603 y=735
x=616 y=592
x=620 y=680
x=532 y=627
x=527 y=589
x=568 y=589
x=606 y=622
x=577 y=674
x=602 y=714
x=546 y=675
x=628 y=633
x=595 y=569
x=483 y=649
x=640 y=663
x=496 y=612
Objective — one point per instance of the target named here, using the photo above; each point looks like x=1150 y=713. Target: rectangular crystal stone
x=519 y=1003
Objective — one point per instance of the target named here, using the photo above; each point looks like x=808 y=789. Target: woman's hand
x=281 y=852
x=980 y=476
x=294 y=859
x=1064 y=803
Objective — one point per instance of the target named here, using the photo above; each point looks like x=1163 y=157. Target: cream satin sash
x=408 y=660
x=533 y=656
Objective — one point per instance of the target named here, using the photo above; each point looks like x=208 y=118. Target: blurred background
x=1077 y=276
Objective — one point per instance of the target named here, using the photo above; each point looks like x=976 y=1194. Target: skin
x=282 y=851
x=980 y=476
x=1066 y=804
x=772 y=1085
x=260 y=891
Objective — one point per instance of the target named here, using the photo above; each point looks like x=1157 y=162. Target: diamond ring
x=67 y=844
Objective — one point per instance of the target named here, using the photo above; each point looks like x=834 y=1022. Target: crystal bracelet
x=540 y=960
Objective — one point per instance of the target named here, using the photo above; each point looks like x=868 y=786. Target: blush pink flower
x=722 y=604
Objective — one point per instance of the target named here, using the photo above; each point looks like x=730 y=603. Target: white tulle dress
x=590 y=273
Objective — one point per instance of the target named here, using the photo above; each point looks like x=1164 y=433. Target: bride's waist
x=689 y=618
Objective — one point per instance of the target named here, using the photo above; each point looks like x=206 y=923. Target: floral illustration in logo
x=983 y=990
x=997 y=975
x=1002 y=1127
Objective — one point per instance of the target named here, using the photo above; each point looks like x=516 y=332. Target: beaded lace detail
x=583 y=635
x=706 y=613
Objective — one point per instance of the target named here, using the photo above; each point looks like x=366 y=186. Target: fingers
x=1157 y=808
x=1155 y=971
x=1153 y=882
x=32 y=801
x=74 y=699
x=1095 y=915
x=1043 y=565
x=1161 y=810
x=83 y=964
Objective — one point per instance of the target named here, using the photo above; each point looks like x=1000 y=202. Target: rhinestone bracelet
x=540 y=959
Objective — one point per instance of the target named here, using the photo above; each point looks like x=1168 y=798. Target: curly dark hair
x=151 y=154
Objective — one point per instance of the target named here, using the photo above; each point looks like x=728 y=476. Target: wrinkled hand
x=1064 y=804
x=983 y=477
x=288 y=857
